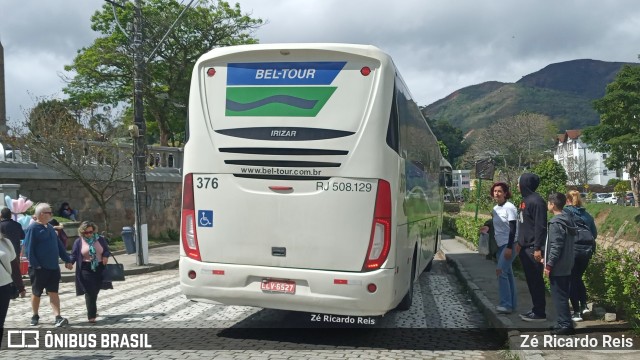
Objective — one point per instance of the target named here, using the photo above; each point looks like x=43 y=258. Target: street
x=442 y=323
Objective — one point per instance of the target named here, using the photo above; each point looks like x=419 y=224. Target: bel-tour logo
x=280 y=88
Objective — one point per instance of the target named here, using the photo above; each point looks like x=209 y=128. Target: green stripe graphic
x=277 y=101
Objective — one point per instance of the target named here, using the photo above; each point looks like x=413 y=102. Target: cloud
x=438 y=45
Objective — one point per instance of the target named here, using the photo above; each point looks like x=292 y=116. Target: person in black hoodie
x=532 y=233
x=558 y=261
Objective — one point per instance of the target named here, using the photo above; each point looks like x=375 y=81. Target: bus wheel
x=405 y=304
x=435 y=250
x=429 y=266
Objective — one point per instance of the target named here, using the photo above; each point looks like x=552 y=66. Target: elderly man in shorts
x=43 y=250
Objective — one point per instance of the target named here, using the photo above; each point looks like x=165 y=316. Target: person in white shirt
x=7 y=254
x=503 y=225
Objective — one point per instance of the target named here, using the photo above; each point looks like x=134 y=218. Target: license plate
x=281 y=286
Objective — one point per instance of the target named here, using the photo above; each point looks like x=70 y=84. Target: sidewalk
x=478 y=275
x=160 y=258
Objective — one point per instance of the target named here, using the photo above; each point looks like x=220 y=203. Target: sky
x=439 y=46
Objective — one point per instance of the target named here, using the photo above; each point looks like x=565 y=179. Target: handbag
x=113 y=272
x=14 y=292
x=483 y=244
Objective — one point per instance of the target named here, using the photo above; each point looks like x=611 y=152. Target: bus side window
x=392 y=130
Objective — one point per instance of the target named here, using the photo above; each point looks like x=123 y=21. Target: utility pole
x=140 y=138
x=139 y=130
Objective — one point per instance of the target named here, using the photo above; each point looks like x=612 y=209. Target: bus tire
x=407 y=300
x=435 y=250
x=429 y=265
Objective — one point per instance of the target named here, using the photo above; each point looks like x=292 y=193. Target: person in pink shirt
x=90 y=253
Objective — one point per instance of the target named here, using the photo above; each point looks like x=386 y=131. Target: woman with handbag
x=7 y=289
x=90 y=253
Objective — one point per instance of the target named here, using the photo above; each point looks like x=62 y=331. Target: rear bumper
x=315 y=289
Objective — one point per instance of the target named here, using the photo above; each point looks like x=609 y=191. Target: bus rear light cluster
x=380 y=241
x=189 y=234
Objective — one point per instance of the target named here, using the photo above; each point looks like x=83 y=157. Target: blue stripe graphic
x=283 y=73
x=283 y=99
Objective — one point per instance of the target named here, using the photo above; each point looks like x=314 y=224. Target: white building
x=461 y=180
x=570 y=152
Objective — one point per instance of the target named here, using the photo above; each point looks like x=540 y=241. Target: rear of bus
x=289 y=188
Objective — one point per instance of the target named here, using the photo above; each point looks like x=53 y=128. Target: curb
x=131 y=271
x=500 y=323
x=134 y=271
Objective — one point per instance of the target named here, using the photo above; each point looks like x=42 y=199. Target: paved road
x=442 y=323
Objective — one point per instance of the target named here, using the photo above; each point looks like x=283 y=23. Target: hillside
x=562 y=91
x=587 y=78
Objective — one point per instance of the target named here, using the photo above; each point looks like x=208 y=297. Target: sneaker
x=502 y=310
x=563 y=331
x=586 y=311
x=576 y=316
x=60 y=321
x=533 y=317
x=34 y=320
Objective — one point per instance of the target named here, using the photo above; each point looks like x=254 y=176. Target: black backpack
x=585 y=242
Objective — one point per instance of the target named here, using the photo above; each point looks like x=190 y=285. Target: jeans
x=560 y=289
x=578 y=292
x=533 y=272
x=506 y=281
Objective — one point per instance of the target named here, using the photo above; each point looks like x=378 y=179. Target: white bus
x=311 y=181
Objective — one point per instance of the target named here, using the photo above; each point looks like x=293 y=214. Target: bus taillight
x=380 y=241
x=189 y=235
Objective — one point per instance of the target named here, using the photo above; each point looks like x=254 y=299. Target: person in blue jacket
x=583 y=253
x=43 y=250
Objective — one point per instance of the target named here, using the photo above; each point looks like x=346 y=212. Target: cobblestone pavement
x=442 y=323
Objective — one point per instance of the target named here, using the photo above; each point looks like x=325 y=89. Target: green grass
x=116 y=243
x=609 y=219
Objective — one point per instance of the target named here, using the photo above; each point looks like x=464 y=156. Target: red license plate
x=282 y=286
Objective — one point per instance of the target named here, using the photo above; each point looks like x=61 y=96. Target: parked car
x=613 y=199
x=599 y=198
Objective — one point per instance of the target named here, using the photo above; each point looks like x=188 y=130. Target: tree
x=449 y=135
x=517 y=141
x=103 y=71
x=618 y=133
x=580 y=170
x=553 y=178
x=59 y=137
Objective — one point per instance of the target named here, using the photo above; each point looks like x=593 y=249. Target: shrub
x=613 y=280
x=463 y=226
x=173 y=234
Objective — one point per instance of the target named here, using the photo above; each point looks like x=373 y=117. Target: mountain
x=563 y=91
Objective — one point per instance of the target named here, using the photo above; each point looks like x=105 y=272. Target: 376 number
x=206 y=183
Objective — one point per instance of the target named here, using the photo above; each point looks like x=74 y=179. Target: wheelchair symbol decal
x=205 y=218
